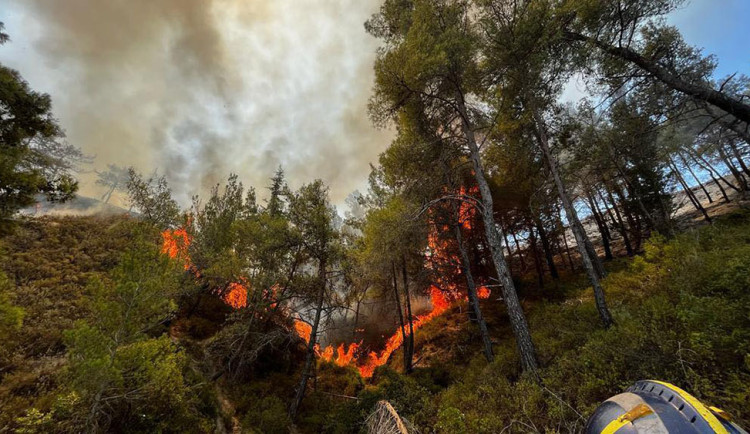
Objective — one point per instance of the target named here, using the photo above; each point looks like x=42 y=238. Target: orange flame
x=344 y=358
x=236 y=295
x=303 y=329
x=175 y=245
x=483 y=293
x=327 y=354
x=467 y=211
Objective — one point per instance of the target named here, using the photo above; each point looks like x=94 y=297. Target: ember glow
x=483 y=292
x=467 y=212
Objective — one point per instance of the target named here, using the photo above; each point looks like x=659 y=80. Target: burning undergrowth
x=374 y=339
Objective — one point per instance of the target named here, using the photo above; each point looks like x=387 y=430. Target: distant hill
x=80 y=205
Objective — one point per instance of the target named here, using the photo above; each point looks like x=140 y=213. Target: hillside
x=48 y=263
x=680 y=310
x=78 y=206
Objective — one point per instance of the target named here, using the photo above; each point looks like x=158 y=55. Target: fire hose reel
x=659 y=408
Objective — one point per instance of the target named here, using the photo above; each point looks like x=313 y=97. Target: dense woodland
x=514 y=262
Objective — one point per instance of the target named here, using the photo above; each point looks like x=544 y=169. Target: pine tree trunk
x=520 y=327
x=721 y=188
x=547 y=250
x=409 y=345
x=695 y=177
x=466 y=269
x=716 y=171
x=700 y=91
x=710 y=171
x=310 y=358
x=471 y=285
x=736 y=173
x=560 y=251
x=518 y=252
x=628 y=213
x=567 y=246
x=535 y=255
x=602 y=225
x=356 y=320
x=578 y=231
x=635 y=195
x=617 y=220
x=407 y=359
x=696 y=202
x=738 y=157
x=108 y=195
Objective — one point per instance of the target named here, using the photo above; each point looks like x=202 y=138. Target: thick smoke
x=201 y=88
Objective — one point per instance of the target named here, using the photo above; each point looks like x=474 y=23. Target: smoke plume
x=201 y=88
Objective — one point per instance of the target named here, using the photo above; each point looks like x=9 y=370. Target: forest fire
x=443 y=292
x=175 y=244
x=343 y=355
x=441 y=298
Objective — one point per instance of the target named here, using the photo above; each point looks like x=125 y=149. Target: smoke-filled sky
x=202 y=88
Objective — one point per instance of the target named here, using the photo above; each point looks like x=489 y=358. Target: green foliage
x=117 y=369
x=3 y=36
x=681 y=312
x=275 y=204
x=218 y=247
x=430 y=58
x=451 y=420
x=122 y=369
x=390 y=234
x=11 y=317
x=49 y=263
x=152 y=197
x=269 y=415
x=34 y=422
x=32 y=159
x=312 y=216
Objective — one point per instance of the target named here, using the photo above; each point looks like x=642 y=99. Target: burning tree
x=392 y=244
x=428 y=77
x=312 y=218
